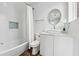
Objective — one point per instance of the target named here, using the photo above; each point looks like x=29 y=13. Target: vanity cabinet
x=46 y=45
x=54 y=45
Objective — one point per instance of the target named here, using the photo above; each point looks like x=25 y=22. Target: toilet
x=35 y=45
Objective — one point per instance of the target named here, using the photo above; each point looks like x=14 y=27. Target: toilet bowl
x=35 y=45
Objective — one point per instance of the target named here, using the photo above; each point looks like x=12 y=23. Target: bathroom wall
x=41 y=10
x=11 y=12
x=21 y=14
x=74 y=32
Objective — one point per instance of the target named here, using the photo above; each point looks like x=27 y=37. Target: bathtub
x=12 y=50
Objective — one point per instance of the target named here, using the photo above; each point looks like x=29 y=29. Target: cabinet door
x=46 y=45
x=63 y=46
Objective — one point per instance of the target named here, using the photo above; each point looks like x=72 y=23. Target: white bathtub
x=12 y=50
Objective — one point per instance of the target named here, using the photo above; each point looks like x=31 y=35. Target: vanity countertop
x=57 y=34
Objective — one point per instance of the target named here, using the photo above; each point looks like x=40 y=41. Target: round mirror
x=54 y=16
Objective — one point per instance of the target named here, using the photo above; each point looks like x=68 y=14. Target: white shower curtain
x=30 y=24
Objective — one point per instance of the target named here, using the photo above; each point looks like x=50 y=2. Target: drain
x=1 y=43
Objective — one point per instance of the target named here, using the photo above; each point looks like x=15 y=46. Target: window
x=72 y=6
x=13 y=25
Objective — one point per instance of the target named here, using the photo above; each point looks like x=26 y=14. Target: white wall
x=21 y=10
x=74 y=32
x=11 y=12
x=41 y=12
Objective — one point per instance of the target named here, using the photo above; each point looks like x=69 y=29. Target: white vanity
x=56 y=44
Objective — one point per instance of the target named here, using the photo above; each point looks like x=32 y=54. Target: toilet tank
x=37 y=36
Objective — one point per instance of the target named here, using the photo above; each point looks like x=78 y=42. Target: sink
x=52 y=32
x=55 y=33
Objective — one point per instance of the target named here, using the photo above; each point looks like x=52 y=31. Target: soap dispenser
x=65 y=28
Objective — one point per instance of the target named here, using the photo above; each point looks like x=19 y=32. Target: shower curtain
x=30 y=32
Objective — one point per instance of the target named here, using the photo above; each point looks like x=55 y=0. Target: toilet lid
x=35 y=42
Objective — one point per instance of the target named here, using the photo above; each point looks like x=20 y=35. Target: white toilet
x=35 y=45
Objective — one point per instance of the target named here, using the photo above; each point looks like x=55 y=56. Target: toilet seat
x=35 y=43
